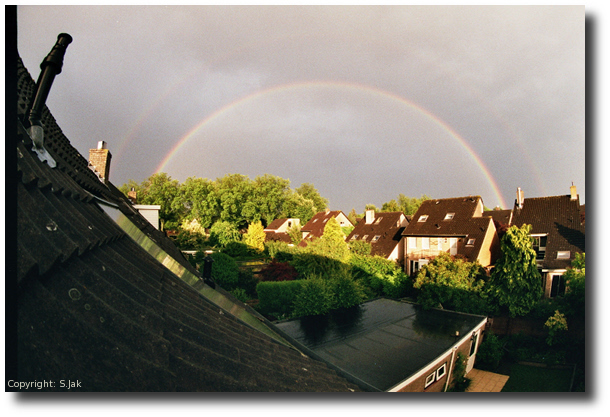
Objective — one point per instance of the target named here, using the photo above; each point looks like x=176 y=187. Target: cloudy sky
x=363 y=102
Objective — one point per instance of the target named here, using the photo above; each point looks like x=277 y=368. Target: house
x=102 y=299
x=277 y=230
x=314 y=228
x=558 y=230
x=383 y=231
x=392 y=345
x=453 y=225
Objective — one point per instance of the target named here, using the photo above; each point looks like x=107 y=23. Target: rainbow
x=338 y=85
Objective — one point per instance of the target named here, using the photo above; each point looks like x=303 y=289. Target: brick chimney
x=99 y=160
x=132 y=195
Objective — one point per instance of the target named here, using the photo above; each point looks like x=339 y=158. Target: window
x=539 y=245
x=354 y=237
x=412 y=242
x=470 y=242
x=423 y=218
x=440 y=372
x=558 y=286
x=563 y=254
x=376 y=238
x=378 y=220
x=430 y=379
x=365 y=237
x=425 y=243
x=449 y=216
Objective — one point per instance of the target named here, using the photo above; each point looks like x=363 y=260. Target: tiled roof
x=560 y=218
x=384 y=233
x=315 y=226
x=500 y=216
x=452 y=217
x=95 y=306
x=276 y=224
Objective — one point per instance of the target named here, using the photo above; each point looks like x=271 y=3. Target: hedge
x=277 y=298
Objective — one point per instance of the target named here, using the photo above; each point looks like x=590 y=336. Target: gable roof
x=560 y=218
x=315 y=226
x=436 y=224
x=106 y=299
x=384 y=233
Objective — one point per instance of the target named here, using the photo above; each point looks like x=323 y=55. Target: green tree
x=574 y=298
x=309 y=192
x=222 y=233
x=332 y=243
x=269 y=196
x=160 y=189
x=196 y=200
x=295 y=234
x=515 y=280
x=557 y=326
x=408 y=205
x=234 y=193
x=255 y=236
x=452 y=283
x=298 y=207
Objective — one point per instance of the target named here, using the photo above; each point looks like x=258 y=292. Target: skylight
x=376 y=238
x=563 y=254
x=423 y=218
x=449 y=216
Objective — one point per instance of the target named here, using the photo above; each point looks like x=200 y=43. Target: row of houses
x=461 y=227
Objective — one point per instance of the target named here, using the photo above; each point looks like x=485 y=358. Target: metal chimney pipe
x=50 y=67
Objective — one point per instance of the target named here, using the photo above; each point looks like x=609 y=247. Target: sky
x=364 y=102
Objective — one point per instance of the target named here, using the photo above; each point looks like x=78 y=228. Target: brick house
x=383 y=231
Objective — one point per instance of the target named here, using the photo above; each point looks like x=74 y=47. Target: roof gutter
x=50 y=67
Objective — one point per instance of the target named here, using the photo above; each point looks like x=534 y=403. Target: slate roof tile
x=94 y=306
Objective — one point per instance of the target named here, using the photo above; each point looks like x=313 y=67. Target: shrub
x=236 y=249
x=240 y=294
x=380 y=276
x=347 y=292
x=279 y=271
x=277 y=298
x=360 y=247
x=490 y=353
x=255 y=236
x=307 y=264
x=247 y=282
x=224 y=271
x=314 y=298
x=278 y=250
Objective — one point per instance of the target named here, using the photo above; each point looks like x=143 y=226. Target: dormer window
x=449 y=216
x=539 y=245
x=423 y=218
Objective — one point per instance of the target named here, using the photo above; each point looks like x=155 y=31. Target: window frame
x=443 y=367
x=449 y=216
x=422 y=218
x=430 y=381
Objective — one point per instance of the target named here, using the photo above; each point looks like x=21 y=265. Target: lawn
x=525 y=378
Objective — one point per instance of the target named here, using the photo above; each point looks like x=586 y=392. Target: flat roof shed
x=384 y=342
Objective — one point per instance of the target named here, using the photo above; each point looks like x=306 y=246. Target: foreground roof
x=382 y=342
x=105 y=299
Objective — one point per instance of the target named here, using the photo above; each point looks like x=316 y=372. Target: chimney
x=520 y=198
x=132 y=195
x=99 y=160
x=573 y=193
x=370 y=216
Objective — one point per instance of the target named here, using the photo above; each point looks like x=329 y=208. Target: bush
x=236 y=249
x=490 y=353
x=315 y=298
x=279 y=251
x=225 y=271
x=360 y=247
x=380 y=276
x=307 y=264
x=347 y=293
x=279 y=271
x=247 y=282
x=277 y=298
x=240 y=294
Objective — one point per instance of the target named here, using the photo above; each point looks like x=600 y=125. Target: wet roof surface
x=382 y=342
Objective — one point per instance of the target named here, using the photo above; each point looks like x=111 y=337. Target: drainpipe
x=450 y=374
x=50 y=67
